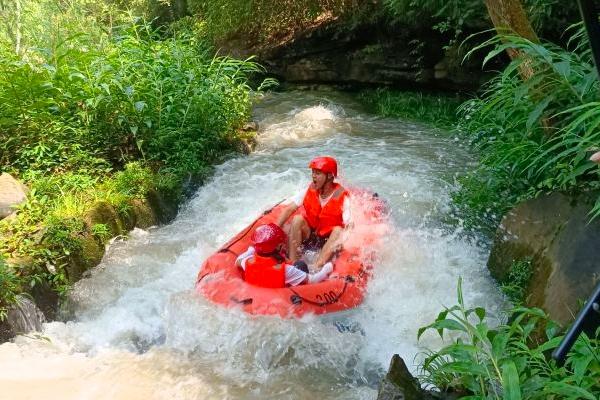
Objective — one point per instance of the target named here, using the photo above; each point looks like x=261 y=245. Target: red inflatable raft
x=220 y=281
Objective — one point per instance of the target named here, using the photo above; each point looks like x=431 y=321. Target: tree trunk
x=508 y=17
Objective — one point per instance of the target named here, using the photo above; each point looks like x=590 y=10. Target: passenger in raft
x=324 y=213
x=264 y=264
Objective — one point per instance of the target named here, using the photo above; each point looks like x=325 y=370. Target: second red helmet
x=325 y=164
x=266 y=238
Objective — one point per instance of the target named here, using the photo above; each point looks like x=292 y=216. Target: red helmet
x=266 y=238
x=325 y=164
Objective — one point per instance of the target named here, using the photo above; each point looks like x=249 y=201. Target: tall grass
x=438 y=110
x=533 y=136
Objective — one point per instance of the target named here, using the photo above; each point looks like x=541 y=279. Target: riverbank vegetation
x=510 y=360
x=439 y=110
x=533 y=135
x=98 y=105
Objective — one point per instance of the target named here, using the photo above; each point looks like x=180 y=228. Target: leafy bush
x=509 y=361
x=460 y=16
x=135 y=97
x=98 y=105
x=533 y=135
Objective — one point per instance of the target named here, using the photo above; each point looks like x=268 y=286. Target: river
x=138 y=331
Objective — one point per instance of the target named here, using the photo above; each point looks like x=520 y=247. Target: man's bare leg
x=334 y=242
x=299 y=231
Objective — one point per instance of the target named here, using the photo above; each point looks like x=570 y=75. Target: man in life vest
x=264 y=264
x=324 y=213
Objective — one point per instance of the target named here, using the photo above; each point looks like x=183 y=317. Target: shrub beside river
x=99 y=107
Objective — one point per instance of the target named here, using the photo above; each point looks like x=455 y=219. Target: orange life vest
x=265 y=272
x=323 y=219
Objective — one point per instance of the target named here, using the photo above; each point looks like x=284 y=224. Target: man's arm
x=241 y=259
x=287 y=211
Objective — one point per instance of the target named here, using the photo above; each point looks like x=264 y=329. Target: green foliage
x=516 y=282
x=101 y=231
x=98 y=105
x=445 y=16
x=460 y=16
x=9 y=286
x=439 y=110
x=132 y=96
x=264 y=20
x=509 y=361
x=533 y=135
x=134 y=181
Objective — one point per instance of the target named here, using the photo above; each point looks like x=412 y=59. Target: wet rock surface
x=399 y=384
x=554 y=232
x=22 y=317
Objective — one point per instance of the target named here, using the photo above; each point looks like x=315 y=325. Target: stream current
x=140 y=332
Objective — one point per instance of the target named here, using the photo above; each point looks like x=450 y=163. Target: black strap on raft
x=227 y=248
x=297 y=299
x=242 y=301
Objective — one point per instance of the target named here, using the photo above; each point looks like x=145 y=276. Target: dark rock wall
x=555 y=232
x=375 y=53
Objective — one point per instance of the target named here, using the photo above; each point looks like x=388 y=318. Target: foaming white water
x=140 y=331
x=303 y=124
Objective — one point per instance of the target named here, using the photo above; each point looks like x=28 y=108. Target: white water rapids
x=140 y=332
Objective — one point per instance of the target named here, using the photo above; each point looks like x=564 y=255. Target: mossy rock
x=145 y=216
x=104 y=213
x=87 y=257
x=163 y=210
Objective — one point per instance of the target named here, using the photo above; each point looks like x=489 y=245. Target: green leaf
x=534 y=116
x=464 y=367
x=563 y=68
x=570 y=391
x=460 y=293
x=449 y=324
x=510 y=381
x=550 y=344
x=76 y=75
x=480 y=312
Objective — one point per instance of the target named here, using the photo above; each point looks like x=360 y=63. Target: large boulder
x=554 y=232
x=12 y=193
